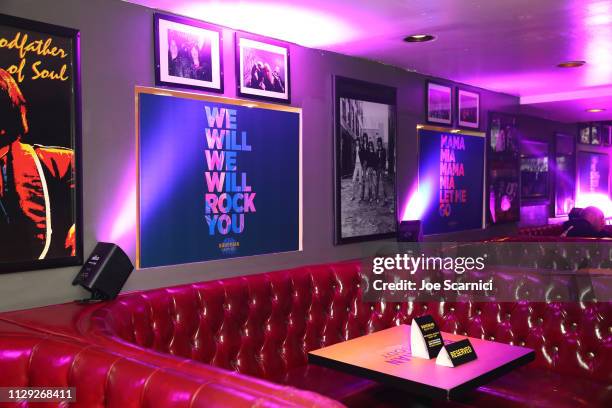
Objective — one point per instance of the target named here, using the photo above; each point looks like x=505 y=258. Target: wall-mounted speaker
x=409 y=231
x=105 y=271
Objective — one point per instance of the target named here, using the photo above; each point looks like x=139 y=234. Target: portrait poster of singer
x=365 y=161
x=39 y=141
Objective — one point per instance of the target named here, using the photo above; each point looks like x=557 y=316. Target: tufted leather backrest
x=265 y=324
x=108 y=380
x=552 y=230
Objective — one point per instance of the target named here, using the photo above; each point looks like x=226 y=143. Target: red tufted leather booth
x=110 y=380
x=552 y=230
x=264 y=325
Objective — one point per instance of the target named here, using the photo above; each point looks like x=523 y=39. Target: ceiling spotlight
x=419 y=38
x=595 y=110
x=571 y=64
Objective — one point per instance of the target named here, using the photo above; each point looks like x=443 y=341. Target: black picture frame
x=503 y=169
x=564 y=174
x=467 y=124
x=265 y=46
x=584 y=134
x=360 y=91
x=56 y=103
x=535 y=172
x=430 y=116
x=188 y=76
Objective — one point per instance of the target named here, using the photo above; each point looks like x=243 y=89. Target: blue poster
x=593 y=169
x=217 y=179
x=451 y=176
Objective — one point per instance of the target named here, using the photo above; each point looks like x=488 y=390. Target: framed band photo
x=187 y=53
x=40 y=136
x=262 y=68
x=365 y=162
x=468 y=108
x=439 y=104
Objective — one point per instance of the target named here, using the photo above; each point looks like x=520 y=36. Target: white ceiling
x=510 y=46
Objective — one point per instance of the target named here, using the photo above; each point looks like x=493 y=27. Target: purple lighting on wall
x=119 y=220
x=300 y=25
x=417 y=202
x=601 y=201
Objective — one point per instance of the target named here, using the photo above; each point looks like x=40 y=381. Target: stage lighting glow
x=601 y=201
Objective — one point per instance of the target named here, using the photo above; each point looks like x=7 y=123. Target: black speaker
x=575 y=213
x=409 y=231
x=105 y=272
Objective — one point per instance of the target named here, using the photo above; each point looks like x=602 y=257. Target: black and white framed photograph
x=439 y=103
x=365 y=140
x=468 y=109
x=187 y=53
x=262 y=68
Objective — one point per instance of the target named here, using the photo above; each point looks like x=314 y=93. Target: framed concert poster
x=503 y=162
x=187 y=53
x=365 y=129
x=40 y=132
x=262 y=68
x=232 y=187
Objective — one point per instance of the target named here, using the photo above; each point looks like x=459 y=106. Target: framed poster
x=468 y=109
x=187 y=53
x=534 y=171
x=503 y=176
x=228 y=183
x=593 y=172
x=365 y=129
x=262 y=68
x=439 y=104
x=451 y=179
x=40 y=134
x=564 y=174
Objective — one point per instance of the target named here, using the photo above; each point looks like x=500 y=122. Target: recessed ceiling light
x=571 y=64
x=419 y=38
x=595 y=110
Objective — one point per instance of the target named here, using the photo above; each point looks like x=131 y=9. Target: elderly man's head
x=595 y=217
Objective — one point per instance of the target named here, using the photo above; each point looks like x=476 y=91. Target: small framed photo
x=468 y=108
x=606 y=135
x=262 y=68
x=595 y=135
x=439 y=104
x=584 y=135
x=187 y=53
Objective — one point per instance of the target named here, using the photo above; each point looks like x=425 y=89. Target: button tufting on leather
x=591 y=354
x=452 y=308
x=556 y=349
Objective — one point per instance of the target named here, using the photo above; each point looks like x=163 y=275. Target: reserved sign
x=457 y=353
x=425 y=337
